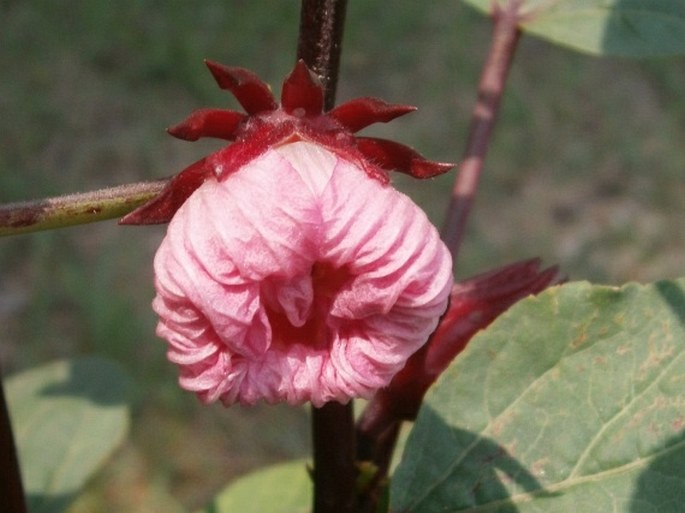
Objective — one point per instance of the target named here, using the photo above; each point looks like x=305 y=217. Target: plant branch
x=11 y=488
x=334 y=472
x=73 y=209
x=490 y=89
x=319 y=45
x=320 y=41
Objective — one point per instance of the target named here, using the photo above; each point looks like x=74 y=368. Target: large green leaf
x=573 y=400
x=631 y=28
x=68 y=417
x=284 y=488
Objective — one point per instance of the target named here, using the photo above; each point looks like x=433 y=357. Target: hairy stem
x=73 y=209
x=11 y=489
x=490 y=89
x=320 y=41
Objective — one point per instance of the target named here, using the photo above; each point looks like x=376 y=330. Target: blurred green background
x=586 y=171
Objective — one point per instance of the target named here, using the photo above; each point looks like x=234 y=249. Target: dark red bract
x=300 y=116
x=474 y=304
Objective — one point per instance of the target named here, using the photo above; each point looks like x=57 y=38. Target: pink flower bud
x=291 y=270
x=297 y=278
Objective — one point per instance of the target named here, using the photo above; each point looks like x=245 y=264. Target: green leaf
x=629 y=28
x=573 y=400
x=284 y=488
x=68 y=417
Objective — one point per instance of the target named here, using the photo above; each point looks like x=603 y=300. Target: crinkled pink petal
x=297 y=278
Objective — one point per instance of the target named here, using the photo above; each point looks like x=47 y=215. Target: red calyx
x=219 y=123
x=302 y=93
x=162 y=208
x=265 y=124
x=362 y=112
x=253 y=94
x=392 y=155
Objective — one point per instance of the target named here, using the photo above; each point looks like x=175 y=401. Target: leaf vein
x=617 y=416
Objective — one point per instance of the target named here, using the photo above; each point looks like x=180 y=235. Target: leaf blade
x=626 y=28
x=68 y=418
x=572 y=397
x=282 y=488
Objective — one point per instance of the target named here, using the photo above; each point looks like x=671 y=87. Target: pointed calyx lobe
x=253 y=95
x=302 y=94
x=266 y=124
x=219 y=123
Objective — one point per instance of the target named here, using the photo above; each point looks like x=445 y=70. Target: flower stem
x=334 y=467
x=11 y=489
x=490 y=89
x=73 y=209
x=320 y=41
x=319 y=45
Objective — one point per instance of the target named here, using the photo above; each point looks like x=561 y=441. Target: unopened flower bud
x=291 y=270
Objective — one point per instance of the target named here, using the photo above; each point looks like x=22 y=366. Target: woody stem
x=490 y=89
x=319 y=45
x=320 y=41
x=334 y=468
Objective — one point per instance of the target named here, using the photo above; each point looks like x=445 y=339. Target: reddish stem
x=319 y=46
x=500 y=56
x=320 y=41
